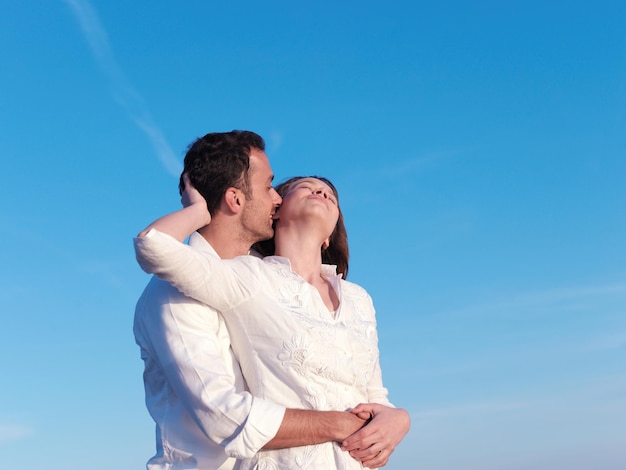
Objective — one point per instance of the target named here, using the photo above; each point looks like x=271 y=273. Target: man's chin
x=265 y=235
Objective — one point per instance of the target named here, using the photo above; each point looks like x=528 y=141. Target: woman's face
x=310 y=197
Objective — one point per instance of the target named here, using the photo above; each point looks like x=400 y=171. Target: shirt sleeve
x=210 y=280
x=184 y=338
x=376 y=392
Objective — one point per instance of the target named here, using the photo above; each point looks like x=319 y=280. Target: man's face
x=256 y=218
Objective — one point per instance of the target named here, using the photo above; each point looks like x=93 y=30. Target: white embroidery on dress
x=296 y=353
x=330 y=356
x=302 y=460
x=266 y=463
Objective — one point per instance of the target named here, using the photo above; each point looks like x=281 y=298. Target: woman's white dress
x=292 y=350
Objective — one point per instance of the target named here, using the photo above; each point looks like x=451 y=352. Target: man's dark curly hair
x=218 y=161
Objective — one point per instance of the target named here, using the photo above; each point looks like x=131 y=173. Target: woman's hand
x=182 y=223
x=190 y=194
x=373 y=444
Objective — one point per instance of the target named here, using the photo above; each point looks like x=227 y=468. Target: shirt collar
x=328 y=270
x=199 y=243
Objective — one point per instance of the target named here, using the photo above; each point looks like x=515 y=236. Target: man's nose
x=277 y=198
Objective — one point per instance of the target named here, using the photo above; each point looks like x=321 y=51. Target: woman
x=304 y=337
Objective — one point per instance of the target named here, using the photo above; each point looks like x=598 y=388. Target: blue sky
x=479 y=149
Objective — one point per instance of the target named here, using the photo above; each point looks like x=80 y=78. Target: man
x=194 y=388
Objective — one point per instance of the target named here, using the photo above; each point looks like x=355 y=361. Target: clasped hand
x=373 y=444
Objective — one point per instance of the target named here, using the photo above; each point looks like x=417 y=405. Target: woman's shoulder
x=354 y=289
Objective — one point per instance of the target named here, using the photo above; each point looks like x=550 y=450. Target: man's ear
x=234 y=200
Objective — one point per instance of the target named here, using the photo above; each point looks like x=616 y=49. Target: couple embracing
x=258 y=353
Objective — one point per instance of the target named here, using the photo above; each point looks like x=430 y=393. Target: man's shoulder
x=159 y=289
x=162 y=308
x=160 y=295
x=160 y=298
x=201 y=245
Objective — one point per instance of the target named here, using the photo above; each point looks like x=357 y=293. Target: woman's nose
x=322 y=192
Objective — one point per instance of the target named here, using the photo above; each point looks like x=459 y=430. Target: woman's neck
x=304 y=254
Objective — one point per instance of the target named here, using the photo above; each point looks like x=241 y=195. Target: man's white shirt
x=194 y=388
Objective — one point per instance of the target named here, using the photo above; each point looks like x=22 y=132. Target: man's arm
x=190 y=345
x=183 y=335
x=307 y=427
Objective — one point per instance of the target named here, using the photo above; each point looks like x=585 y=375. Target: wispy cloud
x=547 y=331
x=123 y=91
x=276 y=140
x=471 y=409
x=22 y=231
x=10 y=432
x=595 y=397
x=395 y=167
x=109 y=272
x=414 y=164
x=610 y=341
x=567 y=297
x=567 y=293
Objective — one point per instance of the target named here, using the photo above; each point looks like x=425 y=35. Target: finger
x=367 y=453
x=361 y=407
x=359 y=440
x=380 y=459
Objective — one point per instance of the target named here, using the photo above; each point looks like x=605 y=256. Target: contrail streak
x=122 y=90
